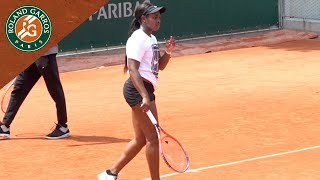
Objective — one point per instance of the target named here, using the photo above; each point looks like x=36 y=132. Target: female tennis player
x=142 y=63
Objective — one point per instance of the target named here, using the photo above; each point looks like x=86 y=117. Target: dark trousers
x=47 y=67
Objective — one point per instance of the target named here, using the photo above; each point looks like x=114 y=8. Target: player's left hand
x=170 y=44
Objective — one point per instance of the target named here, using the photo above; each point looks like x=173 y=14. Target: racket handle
x=152 y=118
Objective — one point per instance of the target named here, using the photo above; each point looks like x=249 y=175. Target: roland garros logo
x=28 y=28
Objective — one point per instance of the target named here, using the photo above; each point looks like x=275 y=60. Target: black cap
x=154 y=9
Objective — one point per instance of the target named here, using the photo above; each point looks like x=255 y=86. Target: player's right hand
x=145 y=104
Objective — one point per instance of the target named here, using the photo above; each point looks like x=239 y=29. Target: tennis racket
x=6 y=96
x=172 y=152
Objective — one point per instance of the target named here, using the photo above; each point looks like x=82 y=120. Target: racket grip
x=152 y=118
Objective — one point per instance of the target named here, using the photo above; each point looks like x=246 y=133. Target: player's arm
x=133 y=68
x=170 y=45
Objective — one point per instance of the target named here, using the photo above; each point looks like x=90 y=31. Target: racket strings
x=174 y=154
x=6 y=99
x=6 y=95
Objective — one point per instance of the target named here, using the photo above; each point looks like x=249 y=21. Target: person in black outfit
x=47 y=67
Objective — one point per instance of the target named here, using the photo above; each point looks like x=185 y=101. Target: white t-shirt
x=145 y=49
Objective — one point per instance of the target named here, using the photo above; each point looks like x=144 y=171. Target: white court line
x=241 y=161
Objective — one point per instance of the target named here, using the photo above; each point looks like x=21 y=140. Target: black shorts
x=131 y=94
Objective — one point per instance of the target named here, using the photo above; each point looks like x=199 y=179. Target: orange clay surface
x=224 y=107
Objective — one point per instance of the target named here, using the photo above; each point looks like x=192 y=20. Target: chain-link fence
x=304 y=9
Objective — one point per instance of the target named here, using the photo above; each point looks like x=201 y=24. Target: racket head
x=5 y=99
x=173 y=153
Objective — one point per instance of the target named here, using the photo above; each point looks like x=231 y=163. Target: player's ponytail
x=135 y=24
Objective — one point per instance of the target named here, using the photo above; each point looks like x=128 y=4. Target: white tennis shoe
x=4 y=131
x=106 y=175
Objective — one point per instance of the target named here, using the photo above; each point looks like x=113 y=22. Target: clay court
x=249 y=113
